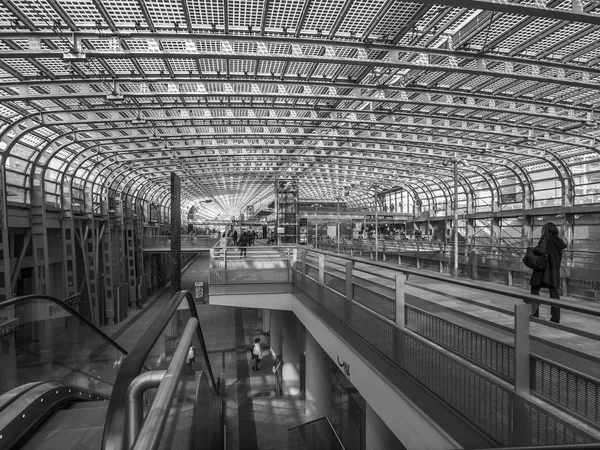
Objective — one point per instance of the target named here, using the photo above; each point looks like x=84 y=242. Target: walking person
x=549 y=276
x=256 y=354
x=243 y=242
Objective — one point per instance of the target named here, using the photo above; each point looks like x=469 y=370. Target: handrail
x=339 y=441
x=527 y=298
x=70 y=310
x=154 y=424
x=115 y=434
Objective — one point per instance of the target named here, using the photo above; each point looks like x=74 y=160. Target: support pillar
x=266 y=320
x=377 y=433
x=276 y=325
x=290 y=354
x=318 y=380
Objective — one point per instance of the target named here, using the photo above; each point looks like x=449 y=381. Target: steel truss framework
x=100 y=100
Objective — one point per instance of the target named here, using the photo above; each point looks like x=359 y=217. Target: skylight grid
x=505 y=23
x=152 y=65
x=210 y=46
x=400 y=14
x=240 y=66
x=360 y=15
x=270 y=67
x=122 y=66
x=82 y=12
x=165 y=11
x=6 y=17
x=322 y=15
x=124 y=12
x=39 y=12
x=326 y=70
x=183 y=65
x=244 y=13
x=549 y=42
x=206 y=12
x=284 y=13
x=527 y=34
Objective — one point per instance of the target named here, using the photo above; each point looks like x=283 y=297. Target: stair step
x=78 y=427
x=90 y=405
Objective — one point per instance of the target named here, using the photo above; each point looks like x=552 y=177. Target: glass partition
x=43 y=340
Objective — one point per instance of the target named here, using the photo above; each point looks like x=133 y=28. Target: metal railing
x=251 y=265
x=511 y=395
x=148 y=438
x=116 y=433
x=187 y=241
x=580 y=269
x=501 y=394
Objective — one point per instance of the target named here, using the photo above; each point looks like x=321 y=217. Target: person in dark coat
x=548 y=277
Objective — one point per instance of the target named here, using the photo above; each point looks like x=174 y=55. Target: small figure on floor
x=256 y=353
x=191 y=359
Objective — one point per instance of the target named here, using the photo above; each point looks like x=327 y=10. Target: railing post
x=474 y=264
x=304 y=271
x=510 y=278
x=349 y=293
x=321 y=269
x=225 y=258
x=321 y=277
x=383 y=251
x=400 y=311
x=522 y=348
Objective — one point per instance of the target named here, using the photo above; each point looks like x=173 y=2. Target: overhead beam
x=535 y=74
x=368 y=47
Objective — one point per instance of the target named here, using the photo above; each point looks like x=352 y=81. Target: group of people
x=230 y=239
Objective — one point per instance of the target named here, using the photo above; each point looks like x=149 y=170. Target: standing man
x=231 y=236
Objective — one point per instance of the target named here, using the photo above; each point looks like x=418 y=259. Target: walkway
x=573 y=342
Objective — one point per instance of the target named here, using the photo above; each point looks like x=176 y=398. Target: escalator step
x=89 y=405
x=71 y=428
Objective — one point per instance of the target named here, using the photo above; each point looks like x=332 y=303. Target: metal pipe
x=338 y=225
x=135 y=404
x=152 y=430
x=455 y=217
x=376 y=229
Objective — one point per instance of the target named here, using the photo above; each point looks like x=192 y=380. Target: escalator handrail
x=311 y=422
x=70 y=310
x=115 y=429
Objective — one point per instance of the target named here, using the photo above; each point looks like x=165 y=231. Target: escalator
x=64 y=383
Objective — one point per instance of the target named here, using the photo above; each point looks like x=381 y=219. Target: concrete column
x=290 y=354
x=266 y=320
x=377 y=433
x=276 y=325
x=318 y=380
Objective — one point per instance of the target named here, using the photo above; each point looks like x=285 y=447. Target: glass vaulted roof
x=343 y=95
